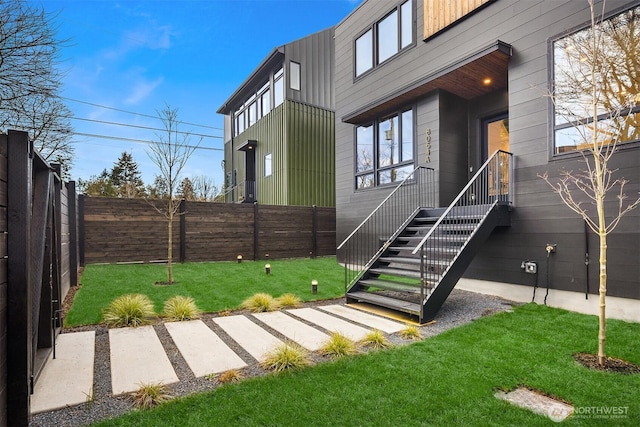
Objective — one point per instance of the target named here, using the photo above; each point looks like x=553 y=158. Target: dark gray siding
x=315 y=54
x=539 y=216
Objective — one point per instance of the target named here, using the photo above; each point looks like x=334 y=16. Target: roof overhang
x=478 y=74
x=248 y=145
x=255 y=79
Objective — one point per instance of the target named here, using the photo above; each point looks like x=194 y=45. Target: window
x=267 y=165
x=259 y=103
x=294 y=75
x=617 y=76
x=384 y=150
x=278 y=89
x=385 y=38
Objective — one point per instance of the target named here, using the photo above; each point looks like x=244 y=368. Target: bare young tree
x=598 y=70
x=170 y=154
x=204 y=188
x=30 y=80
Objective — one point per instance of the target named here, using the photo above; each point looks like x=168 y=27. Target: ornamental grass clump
x=260 y=302
x=375 y=340
x=339 y=346
x=289 y=301
x=150 y=395
x=286 y=356
x=230 y=376
x=179 y=308
x=411 y=332
x=129 y=310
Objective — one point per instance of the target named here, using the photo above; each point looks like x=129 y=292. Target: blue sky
x=137 y=56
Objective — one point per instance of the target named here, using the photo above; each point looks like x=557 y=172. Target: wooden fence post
x=81 y=229
x=73 y=232
x=183 y=230
x=19 y=321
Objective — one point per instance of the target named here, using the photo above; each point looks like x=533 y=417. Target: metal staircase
x=416 y=265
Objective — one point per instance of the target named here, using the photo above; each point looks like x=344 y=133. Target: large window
x=615 y=75
x=385 y=38
x=260 y=102
x=384 y=150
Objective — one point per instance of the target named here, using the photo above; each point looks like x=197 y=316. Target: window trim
x=551 y=115
x=375 y=45
x=376 y=169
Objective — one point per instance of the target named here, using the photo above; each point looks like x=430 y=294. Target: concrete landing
x=203 y=350
x=330 y=323
x=376 y=322
x=255 y=340
x=297 y=331
x=68 y=379
x=137 y=357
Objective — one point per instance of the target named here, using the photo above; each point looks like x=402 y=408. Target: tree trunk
x=602 y=335
x=170 y=245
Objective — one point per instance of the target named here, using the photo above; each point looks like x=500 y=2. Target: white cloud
x=143 y=89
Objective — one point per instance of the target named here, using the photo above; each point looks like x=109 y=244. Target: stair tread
x=394 y=286
x=385 y=301
x=400 y=272
x=413 y=261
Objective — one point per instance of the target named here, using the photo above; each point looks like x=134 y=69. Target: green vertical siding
x=301 y=140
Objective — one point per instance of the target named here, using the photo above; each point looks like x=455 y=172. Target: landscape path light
x=239 y=258
x=267 y=268
x=314 y=286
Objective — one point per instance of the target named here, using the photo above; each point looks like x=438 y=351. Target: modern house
x=279 y=128
x=443 y=131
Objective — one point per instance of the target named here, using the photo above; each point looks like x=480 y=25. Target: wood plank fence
x=38 y=264
x=130 y=230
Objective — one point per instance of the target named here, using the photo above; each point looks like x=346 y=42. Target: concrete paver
x=330 y=323
x=255 y=340
x=203 y=350
x=137 y=357
x=67 y=379
x=543 y=405
x=297 y=331
x=376 y=322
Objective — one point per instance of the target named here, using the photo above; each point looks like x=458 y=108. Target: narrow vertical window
x=406 y=25
x=364 y=52
x=266 y=102
x=294 y=75
x=267 y=165
x=278 y=92
x=388 y=37
x=407 y=135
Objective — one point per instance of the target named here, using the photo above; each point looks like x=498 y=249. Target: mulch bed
x=611 y=364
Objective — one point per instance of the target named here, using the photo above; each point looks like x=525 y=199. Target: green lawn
x=215 y=286
x=448 y=380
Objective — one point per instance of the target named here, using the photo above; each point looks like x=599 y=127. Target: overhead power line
x=143 y=127
x=140 y=141
x=134 y=113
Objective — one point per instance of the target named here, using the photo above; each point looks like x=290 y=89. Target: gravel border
x=460 y=308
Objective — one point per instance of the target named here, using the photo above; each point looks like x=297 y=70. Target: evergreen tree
x=126 y=177
x=185 y=190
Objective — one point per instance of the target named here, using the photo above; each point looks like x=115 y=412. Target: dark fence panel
x=3 y=280
x=129 y=230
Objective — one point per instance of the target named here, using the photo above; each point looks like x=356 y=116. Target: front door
x=495 y=135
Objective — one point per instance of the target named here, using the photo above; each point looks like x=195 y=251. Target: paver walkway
x=138 y=356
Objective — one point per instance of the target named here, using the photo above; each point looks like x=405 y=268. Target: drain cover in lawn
x=538 y=403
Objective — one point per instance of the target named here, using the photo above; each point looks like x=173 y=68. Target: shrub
x=286 y=356
x=129 y=310
x=230 y=376
x=150 y=395
x=411 y=332
x=338 y=346
x=180 y=308
x=376 y=340
x=260 y=302
x=289 y=301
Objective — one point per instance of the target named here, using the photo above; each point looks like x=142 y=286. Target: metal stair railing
x=492 y=184
x=367 y=241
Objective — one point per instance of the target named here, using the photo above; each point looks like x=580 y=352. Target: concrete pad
x=203 y=350
x=137 y=357
x=376 y=322
x=538 y=403
x=66 y=380
x=255 y=340
x=297 y=331
x=330 y=323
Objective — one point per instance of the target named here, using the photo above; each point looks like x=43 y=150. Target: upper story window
x=616 y=73
x=385 y=38
x=385 y=150
x=294 y=75
x=268 y=168
x=260 y=103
